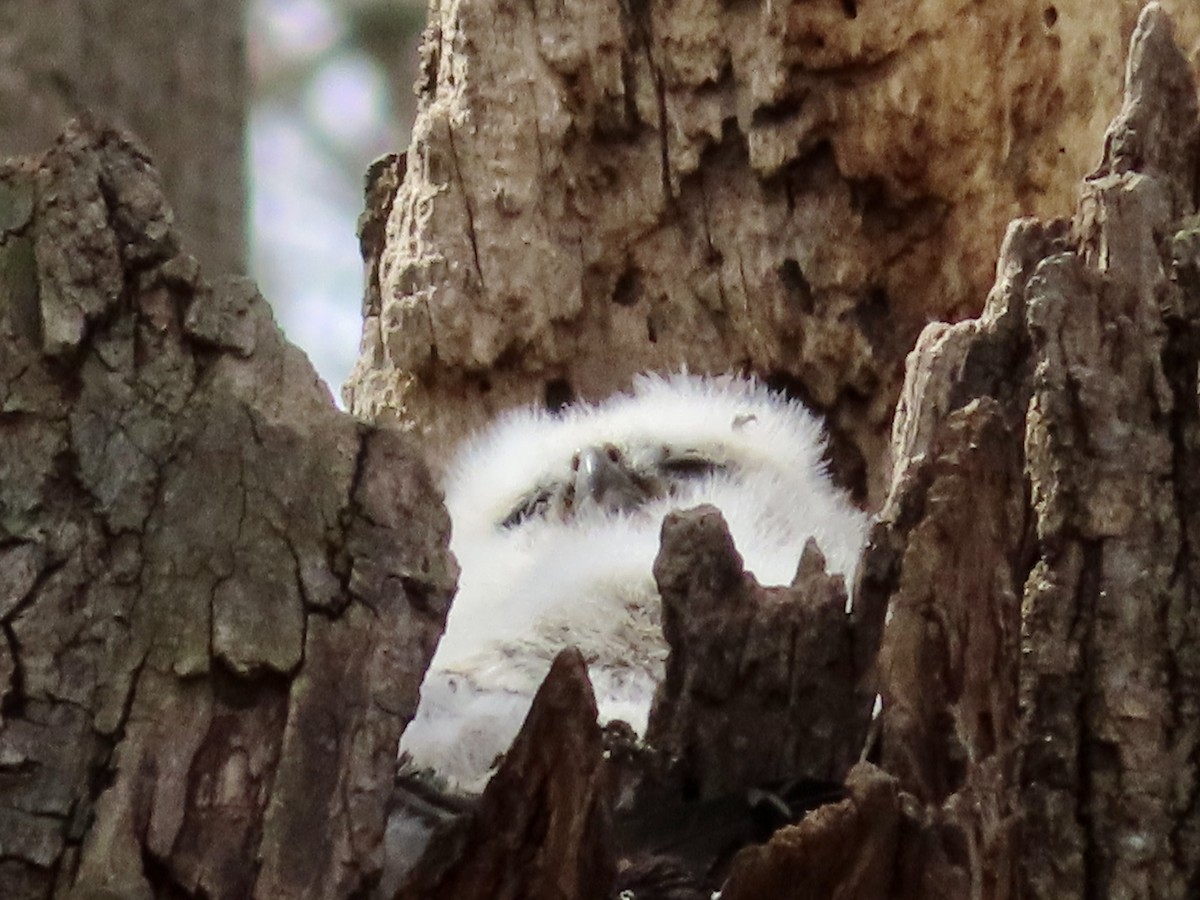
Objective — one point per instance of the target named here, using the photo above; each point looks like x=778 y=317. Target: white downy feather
x=582 y=575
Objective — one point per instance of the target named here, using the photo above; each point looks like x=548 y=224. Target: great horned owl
x=555 y=524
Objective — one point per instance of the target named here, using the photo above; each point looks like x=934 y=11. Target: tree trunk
x=172 y=71
x=1038 y=668
x=794 y=189
x=218 y=594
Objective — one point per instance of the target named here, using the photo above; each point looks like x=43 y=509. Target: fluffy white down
x=526 y=592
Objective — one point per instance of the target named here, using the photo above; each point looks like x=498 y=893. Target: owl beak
x=606 y=482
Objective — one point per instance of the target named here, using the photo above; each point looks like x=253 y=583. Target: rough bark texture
x=217 y=594
x=1112 y=678
x=761 y=683
x=845 y=850
x=1039 y=670
x=547 y=807
x=172 y=71
x=596 y=188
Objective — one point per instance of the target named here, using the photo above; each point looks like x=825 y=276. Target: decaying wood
x=1038 y=671
x=218 y=594
x=600 y=187
x=1111 y=682
x=542 y=829
x=760 y=684
x=760 y=690
x=844 y=850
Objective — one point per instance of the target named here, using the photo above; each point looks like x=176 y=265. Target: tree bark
x=761 y=683
x=218 y=595
x=1038 y=670
x=173 y=72
x=791 y=189
x=1035 y=556
x=547 y=805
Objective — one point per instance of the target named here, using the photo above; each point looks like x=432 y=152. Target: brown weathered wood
x=1037 y=665
x=218 y=594
x=844 y=850
x=760 y=684
x=1038 y=674
x=600 y=187
x=542 y=828
x=1110 y=684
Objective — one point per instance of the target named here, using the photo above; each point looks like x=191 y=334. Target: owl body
x=555 y=525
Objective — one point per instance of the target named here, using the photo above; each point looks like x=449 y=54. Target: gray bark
x=173 y=72
x=219 y=594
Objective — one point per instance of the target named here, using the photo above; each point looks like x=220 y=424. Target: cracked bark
x=1036 y=559
x=795 y=188
x=218 y=594
x=1038 y=669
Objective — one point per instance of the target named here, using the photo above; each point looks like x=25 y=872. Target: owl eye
x=533 y=506
x=689 y=466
